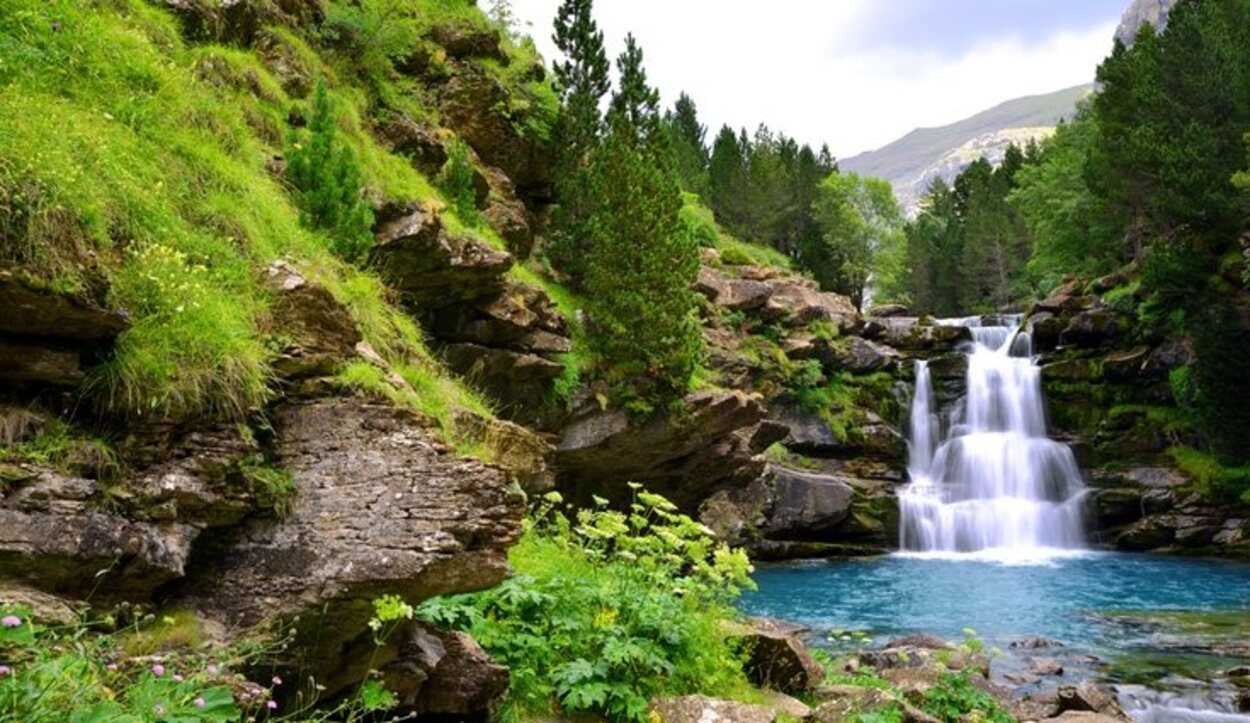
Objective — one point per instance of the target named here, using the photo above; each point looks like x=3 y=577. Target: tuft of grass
x=1212 y=479
x=172 y=630
x=734 y=252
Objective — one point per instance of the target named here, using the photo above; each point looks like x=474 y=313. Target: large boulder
x=778 y=659
x=731 y=293
x=807 y=506
x=795 y=304
x=380 y=509
x=685 y=456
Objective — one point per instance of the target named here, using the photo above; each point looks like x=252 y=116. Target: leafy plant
x=955 y=697
x=608 y=610
x=456 y=181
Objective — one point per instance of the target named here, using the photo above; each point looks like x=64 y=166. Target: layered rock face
x=1111 y=396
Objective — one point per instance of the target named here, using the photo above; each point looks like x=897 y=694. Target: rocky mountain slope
x=913 y=161
x=1142 y=12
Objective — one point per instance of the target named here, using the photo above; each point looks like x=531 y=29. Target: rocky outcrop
x=787 y=300
x=416 y=255
x=318 y=332
x=239 y=21
x=715 y=442
x=791 y=514
x=380 y=508
x=46 y=337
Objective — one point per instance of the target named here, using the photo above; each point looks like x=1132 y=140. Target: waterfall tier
x=984 y=477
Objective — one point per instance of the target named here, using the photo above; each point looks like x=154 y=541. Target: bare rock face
x=319 y=331
x=807 y=506
x=46 y=336
x=380 y=509
x=686 y=457
x=416 y=256
x=469 y=103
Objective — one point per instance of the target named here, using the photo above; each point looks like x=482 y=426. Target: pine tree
x=583 y=81
x=727 y=178
x=644 y=260
x=327 y=178
x=688 y=139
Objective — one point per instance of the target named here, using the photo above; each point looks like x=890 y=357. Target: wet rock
x=807 y=506
x=416 y=256
x=380 y=509
x=1130 y=364
x=702 y=709
x=1118 y=506
x=1045 y=329
x=908 y=334
x=1045 y=667
x=1148 y=534
x=319 y=332
x=1089 y=698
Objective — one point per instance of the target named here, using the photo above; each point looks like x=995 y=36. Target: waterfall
x=985 y=478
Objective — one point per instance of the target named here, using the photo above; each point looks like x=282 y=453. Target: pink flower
x=277 y=680
x=271 y=705
x=177 y=678
x=199 y=702
x=158 y=670
x=111 y=666
x=10 y=621
x=5 y=670
x=212 y=669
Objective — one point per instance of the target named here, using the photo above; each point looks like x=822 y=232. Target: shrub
x=608 y=610
x=456 y=180
x=327 y=175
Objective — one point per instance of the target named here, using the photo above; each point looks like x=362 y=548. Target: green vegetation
x=326 y=175
x=968 y=249
x=607 y=610
x=1211 y=478
x=861 y=237
x=126 y=669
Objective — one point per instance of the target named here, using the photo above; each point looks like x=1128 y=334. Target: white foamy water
x=986 y=481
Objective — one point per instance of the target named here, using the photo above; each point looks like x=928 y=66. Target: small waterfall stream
x=984 y=477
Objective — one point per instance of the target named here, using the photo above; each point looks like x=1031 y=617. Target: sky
x=856 y=74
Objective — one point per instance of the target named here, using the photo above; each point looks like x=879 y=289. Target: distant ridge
x=911 y=162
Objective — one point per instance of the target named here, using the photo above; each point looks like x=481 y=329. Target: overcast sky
x=855 y=74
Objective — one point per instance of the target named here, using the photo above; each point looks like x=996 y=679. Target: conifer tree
x=583 y=81
x=688 y=139
x=727 y=178
x=326 y=176
x=644 y=261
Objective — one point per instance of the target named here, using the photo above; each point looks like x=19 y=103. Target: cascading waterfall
x=993 y=483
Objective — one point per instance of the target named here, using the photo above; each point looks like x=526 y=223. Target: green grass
x=734 y=252
x=129 y=155
x=1211 y=478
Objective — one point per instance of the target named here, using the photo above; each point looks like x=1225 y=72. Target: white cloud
x=790 y=64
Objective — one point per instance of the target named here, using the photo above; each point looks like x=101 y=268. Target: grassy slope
x=129 y=155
